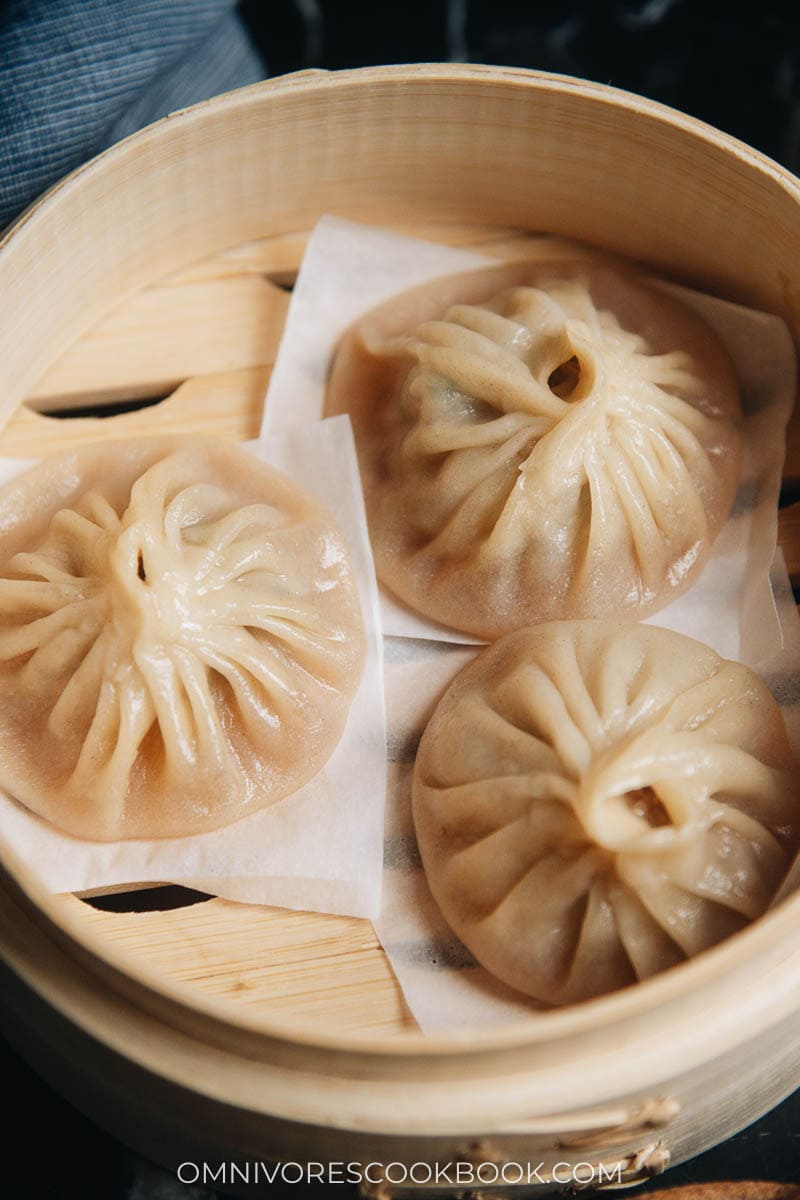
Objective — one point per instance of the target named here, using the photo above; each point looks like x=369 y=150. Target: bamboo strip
x=278 y=258
x=259 y=957
x=225 y=404
x=161 y=336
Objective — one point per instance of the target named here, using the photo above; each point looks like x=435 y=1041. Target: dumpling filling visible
x=539 y=441
x=597 y=802
x=180 y=638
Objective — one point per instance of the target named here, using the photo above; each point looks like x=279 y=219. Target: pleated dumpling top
x=538 y=441
x=180 y=638
x=595 y=802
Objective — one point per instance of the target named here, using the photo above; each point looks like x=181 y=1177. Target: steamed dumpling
x=595 y=802
x=539 y=440
x=180 y=638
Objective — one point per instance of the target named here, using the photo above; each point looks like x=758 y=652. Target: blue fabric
x=78 y=75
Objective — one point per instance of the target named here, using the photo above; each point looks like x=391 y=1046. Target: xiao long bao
x=180 y=638
x=595 y=802
x=539 y=440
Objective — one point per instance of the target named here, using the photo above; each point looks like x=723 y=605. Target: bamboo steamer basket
x=226 y=1032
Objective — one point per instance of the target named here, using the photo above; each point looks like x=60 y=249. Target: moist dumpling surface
x=180 y=638
x=539 y=440
x=596 y=802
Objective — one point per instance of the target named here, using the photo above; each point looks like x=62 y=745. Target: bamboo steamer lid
x=631 y=1081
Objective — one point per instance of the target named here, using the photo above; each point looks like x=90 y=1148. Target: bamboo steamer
x=225 y=1032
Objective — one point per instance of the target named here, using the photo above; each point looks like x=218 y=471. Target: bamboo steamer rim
x=770 y=935
x=616 y=1008
x=320 y=80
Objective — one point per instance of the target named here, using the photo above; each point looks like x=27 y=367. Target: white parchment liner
x=318 y=850
x=350 y=268
x=347 y=270
x=443 y=985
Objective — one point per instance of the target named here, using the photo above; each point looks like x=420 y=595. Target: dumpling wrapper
x=539 y=440
x=595 y=802
x=180 y=638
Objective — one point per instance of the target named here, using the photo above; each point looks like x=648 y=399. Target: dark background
x=737 y=67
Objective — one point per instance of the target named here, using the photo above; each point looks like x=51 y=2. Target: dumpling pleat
x=560 y=662
x=648 y=946
x=80 y=692
x=20 y=597
x=550 y=717
x=598 y=961
x=644 y=834
x=556 y=895
x=22 y=639
x=511 y=739
x=172 y=706
x=445 y=437
x=467 y=815
x=210 y=735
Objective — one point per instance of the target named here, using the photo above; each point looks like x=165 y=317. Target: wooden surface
x=206 y=338
x=743 y=1190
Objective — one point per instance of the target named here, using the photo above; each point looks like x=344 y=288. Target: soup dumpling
x=538 y=441
x=180 y=638
x=595 y=802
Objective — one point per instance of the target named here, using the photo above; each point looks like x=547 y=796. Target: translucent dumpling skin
x=596 y=802
x=180 y=638
x=538 y=441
